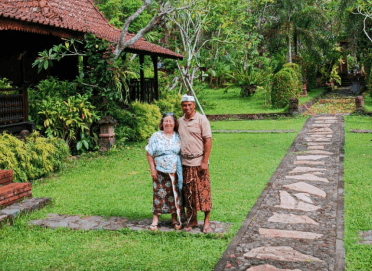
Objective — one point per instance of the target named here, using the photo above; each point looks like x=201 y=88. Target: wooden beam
x=156 y=90
x=142 y=77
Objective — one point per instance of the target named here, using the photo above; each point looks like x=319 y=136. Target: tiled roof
x=67 y=18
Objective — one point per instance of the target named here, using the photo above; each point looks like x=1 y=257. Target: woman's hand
x=154 y=174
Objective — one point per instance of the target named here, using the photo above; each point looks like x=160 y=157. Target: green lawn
x=119 y=184
x=277 y=124
x=232 y=103
x=368 y=103
x=358 y=192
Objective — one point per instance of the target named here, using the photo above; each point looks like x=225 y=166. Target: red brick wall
x=11 y=193
x=6 y=177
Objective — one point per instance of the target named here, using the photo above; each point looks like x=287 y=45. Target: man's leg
x=207 y=224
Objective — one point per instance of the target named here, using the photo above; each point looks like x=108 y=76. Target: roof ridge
x=101 y=13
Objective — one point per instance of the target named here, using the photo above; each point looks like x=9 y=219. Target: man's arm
x=207 y=151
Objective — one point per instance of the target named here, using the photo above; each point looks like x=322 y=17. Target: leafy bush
x=296 y=72
x=5 y=83
x=145 y=120
x=285 y=86
x=137 y=123
x=66 y=119
x=170 y=103
x=33 y=159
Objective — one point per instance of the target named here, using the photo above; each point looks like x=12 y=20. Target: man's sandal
x=176 y=226
x=153 y=227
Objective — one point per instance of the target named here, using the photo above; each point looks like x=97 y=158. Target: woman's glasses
x=168 y=114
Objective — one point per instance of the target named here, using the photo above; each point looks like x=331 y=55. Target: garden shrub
x=284 y=87
x=68 y=118
x=137 y=123
x=296 y=71
x=33 y=159
x=171 y=102
x=146 y=118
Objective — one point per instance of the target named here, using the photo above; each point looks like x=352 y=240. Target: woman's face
x=168 y=123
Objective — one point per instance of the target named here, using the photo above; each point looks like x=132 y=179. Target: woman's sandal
x=176 y=226
x=153 y=227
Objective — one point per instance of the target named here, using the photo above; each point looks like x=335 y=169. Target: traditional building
x=31 y=26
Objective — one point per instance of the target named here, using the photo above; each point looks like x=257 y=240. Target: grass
x=310 y=95
x=277 y=124
x=358 y=192
x=119 y=184
x=232 y=103
x=368 y=103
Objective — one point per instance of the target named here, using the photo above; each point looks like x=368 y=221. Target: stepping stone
x=308 y=177
x=274 y=233
x=314 y=147
x=282 y=253
x=305 y=169
x=326 y=118
x=317 y=143
x=366 y=237
x=319 y=133
x=326 y=122
x=304 y=197
x=309 y=163
x=322 y=130
x=317 y=139
x=288 y=202
x=318 y=152
x=320 y=125
x=317 y=173
x=311 y=157
x=292 y=219
x=307 y=188
x=269 y=267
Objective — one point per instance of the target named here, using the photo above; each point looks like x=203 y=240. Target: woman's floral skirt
x=166 y=198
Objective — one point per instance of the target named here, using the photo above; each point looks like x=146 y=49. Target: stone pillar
x=304 y=89
x=293 y=105
x=107 y=133
x=359 y=103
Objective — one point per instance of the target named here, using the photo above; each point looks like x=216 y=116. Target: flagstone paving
x=297 y=222
x=77 y=222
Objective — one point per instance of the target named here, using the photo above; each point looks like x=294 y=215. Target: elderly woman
x=163 y=154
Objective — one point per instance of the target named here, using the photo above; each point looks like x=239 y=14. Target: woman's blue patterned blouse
x=166 y=153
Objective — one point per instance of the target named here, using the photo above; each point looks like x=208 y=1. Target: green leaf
x=86 y=144
x=78 y=145
x=45 y=64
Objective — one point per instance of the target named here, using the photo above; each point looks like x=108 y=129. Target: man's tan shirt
x=192 y=132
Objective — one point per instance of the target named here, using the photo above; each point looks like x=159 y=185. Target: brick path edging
x=301 y=108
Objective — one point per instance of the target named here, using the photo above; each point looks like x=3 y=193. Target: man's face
x=188 y=107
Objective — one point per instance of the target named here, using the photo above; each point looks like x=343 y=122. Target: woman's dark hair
x=167 y=114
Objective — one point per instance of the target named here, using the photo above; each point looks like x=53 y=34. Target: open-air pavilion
x=28 y=27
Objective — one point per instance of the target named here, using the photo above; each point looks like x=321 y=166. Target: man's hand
x=204 y=166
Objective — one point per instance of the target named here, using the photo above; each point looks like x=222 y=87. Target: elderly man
x=196 y=144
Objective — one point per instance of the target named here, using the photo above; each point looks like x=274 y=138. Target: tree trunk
x=289 y=51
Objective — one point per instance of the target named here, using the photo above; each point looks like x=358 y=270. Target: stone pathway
x=297 y=222
x=116 y=223
x=13 y=211
x=255 y=131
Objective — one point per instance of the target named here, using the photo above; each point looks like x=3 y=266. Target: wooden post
x=155 y=63
x=142 y=78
